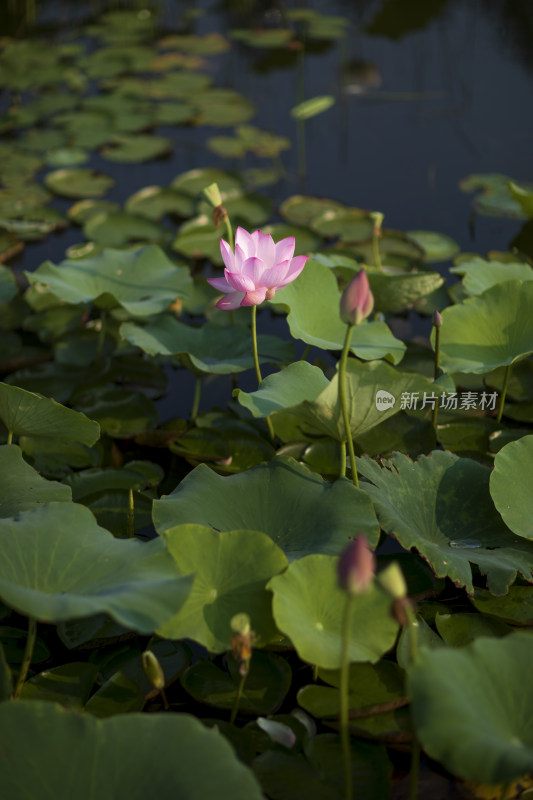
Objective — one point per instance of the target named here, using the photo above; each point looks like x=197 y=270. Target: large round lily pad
x=125 y=757
x=231 y=570
x=489 y=331
x=480 y=275
x=301 y=512
x=510 y=485
x=58 y=564
x=472 y=707
x=441 y=506
x=22 y=488
x=143 y=281
x=81 y=182
x=313 y=305
x=309 y=607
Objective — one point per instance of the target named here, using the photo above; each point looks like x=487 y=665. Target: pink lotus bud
x=356 y=567
x=357 y=300
x=437 y=319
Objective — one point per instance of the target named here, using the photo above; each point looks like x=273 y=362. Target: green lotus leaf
x=28 y=414
x=153 y=202
x=193 y=181
x=119 y=228
x=143 y=281
x=266 y=686
x=59 y=564
x=395 y=247
x=523 y=196
x=301 y=209
x=199 y=238
x=480 y=275
x=117 y=695
x=21 y=487
x=83 y=210
x=489 y=331
x=263 y=499
x=231 y=570
x=460 y=629
x=67 y=157
x=516 y=607
x=223 y=108
x=441 y=506
x=349 y=224
x=6 y=680
x=312 y=107
x=136 y=148
x=375 y=392
x=8 y=286
x=69 y=684
x=185 y=83
x=250 y=208
x=312 y=302
x=173 y=112
x=436 y=246
x=119 y=412
x=210 y=44
x=495 y=197
x=78 y=182
x=211 y=349
x=510 y=486
x=263 y=38
x=319 y=776
x=122 y=757
x=308 y=607
x=471 y=707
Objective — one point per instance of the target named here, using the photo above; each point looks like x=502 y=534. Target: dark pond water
x=426 y=93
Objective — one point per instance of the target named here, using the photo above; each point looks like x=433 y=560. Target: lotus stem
x=196 y=399
x=437 y=322
x=504 y=392
x=315 y=672
x=344 y=704
x=257 y=368
x=238 y=696
x=130 y=523
x=414 y=772
x=376 y=235
x=101 y=335
x=10 y=437
x=305 y=353
x=344 y=405
x=229 y=231
x=342 y=470
x=27 y=657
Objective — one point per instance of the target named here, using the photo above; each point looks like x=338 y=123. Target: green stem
x=305 y=353
x=344 y=697
x=414 y=772
x=436 y=371
x=229 y=231
x=344 y=404
x=10 y=437
x=130 y=524
x=257 y=368
x=504 y=392
x=342 y=471
x=28 y=655
x=238 y=696
x=375 y=250
x=196 y=399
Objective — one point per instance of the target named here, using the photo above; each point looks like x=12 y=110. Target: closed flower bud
x=357 y=300
x=437 y=319
x=153 y=670
x=356 y=567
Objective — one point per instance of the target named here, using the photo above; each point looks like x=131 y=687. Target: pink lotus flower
x=356 y=566
x=258 y=267
x=357 y=300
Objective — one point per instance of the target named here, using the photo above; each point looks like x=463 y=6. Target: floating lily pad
x=8 y=286
x=83 y=210
x=469 y=707
x=308 y=607
x=136 y=148
x=119 y=412
x=263 y=37
x=231 y=570
x=59 y=564
x=129 y=753
x=436 y=246
x=516 y=607
x=441 y=506
x=67 y=157
x=142 y=281
x=480 y=275
x=28 y=414
x=312 y=107
x=266 y=686
x=509 y=486
x=195 y=180
x=78 y=182
x=119 y=228
x=22 y=488
x=249 y=139
x=153 y=202
x=199 y=238
x=313 y=305
x=460 y=629
x=301 y=209
x=489 y=331
x=211 y=44
x=350 y=224
x=495 y=198
x=262 y=498
x=523 y=196
x=303 y=391
x=211 y=349
x=69 y=685
x=223 y=108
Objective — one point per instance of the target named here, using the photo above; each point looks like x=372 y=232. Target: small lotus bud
x=357 y=300
x=240 y=623
x=378 y=218
x=212 y=195
x=220 y=216
x=393 y=581
x=356 y=567
x=153 y=670
x=437 y=319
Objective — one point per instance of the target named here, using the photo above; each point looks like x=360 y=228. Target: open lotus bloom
x=258 y=267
